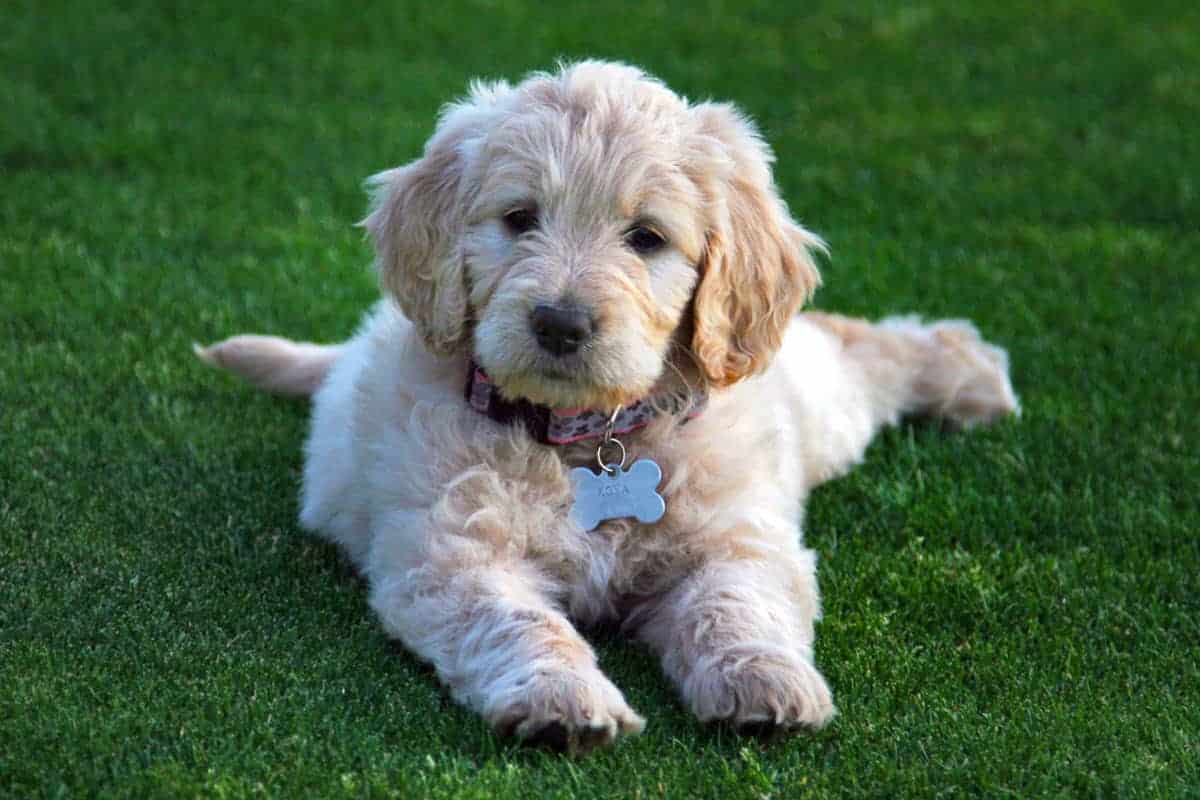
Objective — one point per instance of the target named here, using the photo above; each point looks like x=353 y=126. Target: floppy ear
x=417 y=219
x=757 y=267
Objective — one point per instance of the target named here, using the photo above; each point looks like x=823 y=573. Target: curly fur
x=462 y=525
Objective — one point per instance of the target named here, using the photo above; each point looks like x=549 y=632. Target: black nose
x=561 y=329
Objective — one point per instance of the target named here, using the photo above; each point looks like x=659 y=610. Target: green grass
x=1011 y=613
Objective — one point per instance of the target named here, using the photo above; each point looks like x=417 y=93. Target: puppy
x=587 y=272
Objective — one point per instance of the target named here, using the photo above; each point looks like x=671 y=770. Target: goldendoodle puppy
x=587 y=397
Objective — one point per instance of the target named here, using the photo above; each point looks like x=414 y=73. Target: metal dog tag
x=615 y=493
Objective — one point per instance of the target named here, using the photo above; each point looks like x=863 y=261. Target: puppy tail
x=276 y=365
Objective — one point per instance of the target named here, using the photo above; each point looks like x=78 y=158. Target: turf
x=1009 y=613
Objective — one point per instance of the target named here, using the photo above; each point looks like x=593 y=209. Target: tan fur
x=757 y=266
x=462 y=526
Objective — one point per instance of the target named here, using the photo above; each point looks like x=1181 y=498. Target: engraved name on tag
x=616 y=494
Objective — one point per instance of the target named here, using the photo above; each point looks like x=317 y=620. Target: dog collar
x=557 y=426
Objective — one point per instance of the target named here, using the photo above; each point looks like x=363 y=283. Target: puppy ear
x=417 y=219
x=757 y=268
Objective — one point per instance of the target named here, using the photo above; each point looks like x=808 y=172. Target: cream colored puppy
x=565 y=248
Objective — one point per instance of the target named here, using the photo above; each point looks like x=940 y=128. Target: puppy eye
x=644 y=240
x=520 y=220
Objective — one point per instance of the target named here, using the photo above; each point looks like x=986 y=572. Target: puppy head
x=561 y=231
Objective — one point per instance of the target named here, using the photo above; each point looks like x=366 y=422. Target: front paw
x=763 y=694
x=565 y=710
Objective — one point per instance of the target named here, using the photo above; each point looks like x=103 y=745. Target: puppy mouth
x=566 y=368
x=562 y=374
x=559 y=382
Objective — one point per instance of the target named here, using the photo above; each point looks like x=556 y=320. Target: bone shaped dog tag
x=611 y=495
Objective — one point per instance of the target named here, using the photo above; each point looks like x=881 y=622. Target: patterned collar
x=563 y=426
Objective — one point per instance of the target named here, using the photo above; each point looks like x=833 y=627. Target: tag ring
x=600 y=455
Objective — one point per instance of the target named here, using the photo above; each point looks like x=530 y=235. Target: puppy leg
x=900 y=367
x=736 y=637
x=505 y=651
x=942 y=369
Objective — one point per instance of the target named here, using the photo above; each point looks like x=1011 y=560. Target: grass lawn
x=1011 y=613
